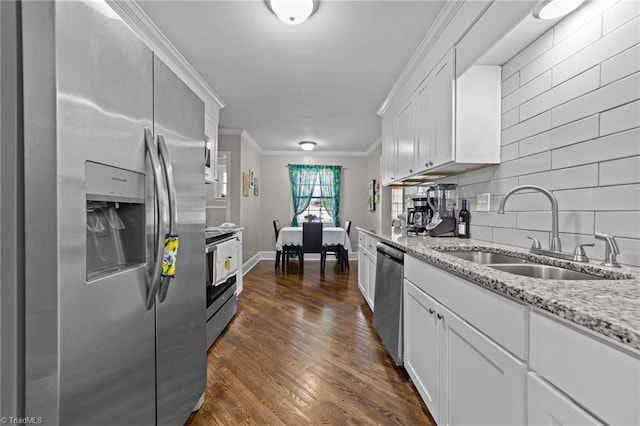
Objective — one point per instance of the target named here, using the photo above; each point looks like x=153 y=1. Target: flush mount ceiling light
x=552 y=9
x=307 y=145
x=293 y=12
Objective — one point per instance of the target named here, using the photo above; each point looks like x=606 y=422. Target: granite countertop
x=608 y=307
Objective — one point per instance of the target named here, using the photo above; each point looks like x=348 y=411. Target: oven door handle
x=165 y=160
x=161 y=200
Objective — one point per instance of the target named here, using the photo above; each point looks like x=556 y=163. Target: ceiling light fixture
x=552 y=9
x=293 y=12
x=307 y=145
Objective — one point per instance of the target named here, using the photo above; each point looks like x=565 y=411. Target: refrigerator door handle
x=165 y=159
x=161 y=199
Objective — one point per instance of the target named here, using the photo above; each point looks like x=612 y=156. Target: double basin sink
x=523 y=267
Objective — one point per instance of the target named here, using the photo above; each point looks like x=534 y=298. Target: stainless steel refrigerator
x=109 y=159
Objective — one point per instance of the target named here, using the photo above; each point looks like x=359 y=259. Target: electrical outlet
x=484 y=202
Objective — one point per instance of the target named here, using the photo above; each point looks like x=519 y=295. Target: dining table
x=331 y=235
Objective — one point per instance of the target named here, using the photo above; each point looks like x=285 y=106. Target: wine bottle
x=463 y=221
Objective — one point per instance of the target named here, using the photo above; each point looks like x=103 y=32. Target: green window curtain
x=330 y=190
x=303 y=179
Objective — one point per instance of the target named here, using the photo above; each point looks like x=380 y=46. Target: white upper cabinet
x=454 y=88
x=447 y=125
x=406 y=132
x=389 y=153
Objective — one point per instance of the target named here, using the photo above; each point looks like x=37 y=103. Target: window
x=397 y=201
x=315 y=193
x=315 y=212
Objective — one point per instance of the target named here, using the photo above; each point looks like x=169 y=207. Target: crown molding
x=133 y=15
x=244 y=136
x=377 y=143
x=442 y=21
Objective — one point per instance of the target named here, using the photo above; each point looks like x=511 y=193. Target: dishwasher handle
x=390 y=252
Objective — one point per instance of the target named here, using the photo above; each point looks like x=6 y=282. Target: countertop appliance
x=113 y=144
x=222 y=268
x=441 y=199
x=387 y=306
x=419 y=215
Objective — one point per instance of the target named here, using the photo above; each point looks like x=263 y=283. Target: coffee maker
x=419 y=215
x=442 y=200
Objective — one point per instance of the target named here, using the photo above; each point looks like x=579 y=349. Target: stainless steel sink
x=545 y=272
x=485 y=257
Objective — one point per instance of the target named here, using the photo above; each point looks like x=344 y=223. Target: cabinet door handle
x=439 y=315
x=410 y=170
x=431 y=163
x=426 y=164
x=431 y=310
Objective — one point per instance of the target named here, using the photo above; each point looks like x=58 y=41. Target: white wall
x=570 y=123
x=372 y=218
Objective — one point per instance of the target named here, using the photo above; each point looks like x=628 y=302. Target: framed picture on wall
x=371 y=195
x=251 y=176
x=245 y=184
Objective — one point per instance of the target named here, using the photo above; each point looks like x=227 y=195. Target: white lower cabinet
x=367 y=267
x=549 y=407
x=477 y=357
x=371 y=277
x=422 y=346
x=363 y=282
x=462 y=375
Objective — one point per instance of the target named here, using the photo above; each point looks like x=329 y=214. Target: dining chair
x=338 y=250
x=285 y=252
x=311 y=239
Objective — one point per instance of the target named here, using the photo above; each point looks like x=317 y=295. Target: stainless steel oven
x=220 y=252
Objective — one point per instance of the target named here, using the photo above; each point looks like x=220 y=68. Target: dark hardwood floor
x=302 y=350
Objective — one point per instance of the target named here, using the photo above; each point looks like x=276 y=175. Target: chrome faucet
x=555 y=239
x=610 y=250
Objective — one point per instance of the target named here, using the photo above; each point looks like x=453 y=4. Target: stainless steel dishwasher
x=387 y=305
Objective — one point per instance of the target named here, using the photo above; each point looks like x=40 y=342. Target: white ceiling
x=322 y=80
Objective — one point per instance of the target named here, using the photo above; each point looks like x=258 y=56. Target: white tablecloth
x=330 y=235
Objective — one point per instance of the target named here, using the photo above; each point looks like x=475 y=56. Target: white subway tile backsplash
x=518 y=237
x=496 y=187
x=528 y=54
x=619 y=224
x=574 y=21
x=569 y=134
x=622 y=118
x=510 y=84
x=619 y=172
x=480 y=175
x=522 y=166
x=574 y=177
x=482 y=233
x=509 y=152
x=622 y=65
x=530 y=127
x=606 y=198
x=558 y=53
x=618 y=145
x=603 y=49
x=629 y=251
x=607 y=97
x=507 y=220
x=570 y=89
x=510 y=118
x=620 y=14
x=578 y=136
x=525 y=201
x=527 y=91
x=569 y=222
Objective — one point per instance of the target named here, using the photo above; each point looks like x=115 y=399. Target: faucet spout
x=555 y=239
